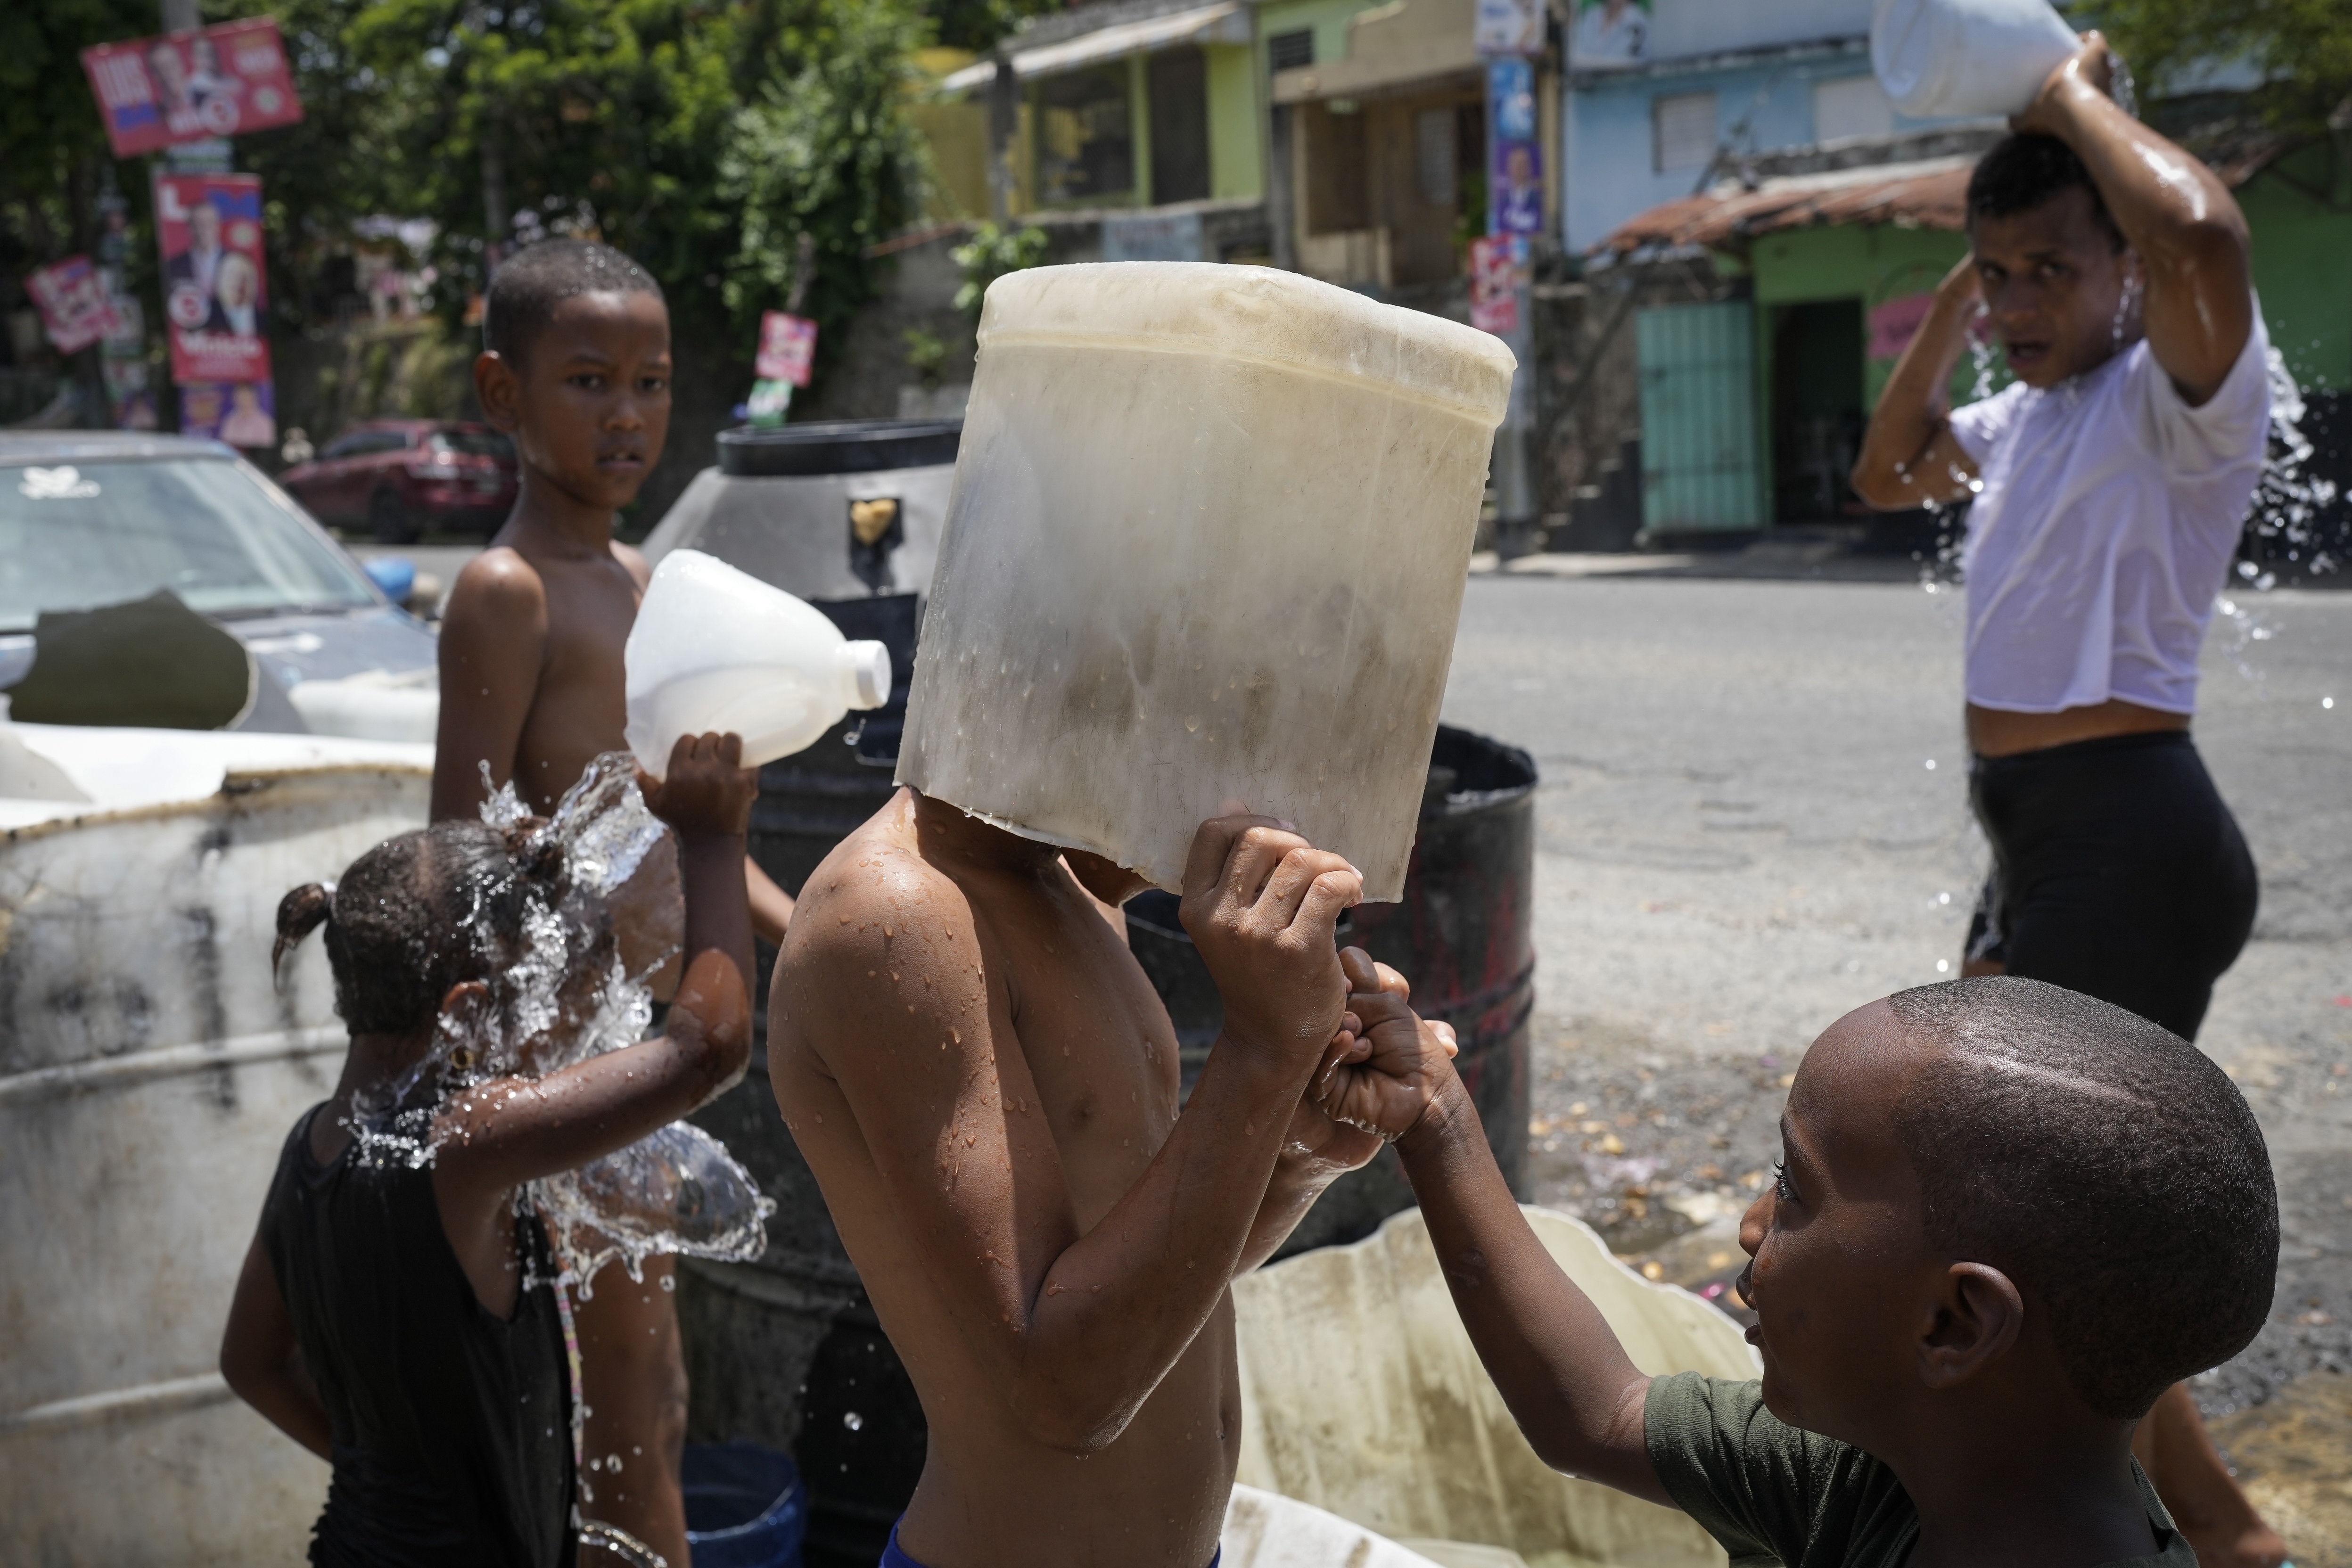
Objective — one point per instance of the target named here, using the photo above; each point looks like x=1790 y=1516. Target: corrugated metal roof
x=1929 y=193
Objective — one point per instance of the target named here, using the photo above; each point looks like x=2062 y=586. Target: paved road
x=1753 y=818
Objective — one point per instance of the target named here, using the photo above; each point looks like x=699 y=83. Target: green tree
x=2303 y=49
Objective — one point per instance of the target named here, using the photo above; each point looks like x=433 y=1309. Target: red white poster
x=75 y=310
x=787 y=348
x=1495 y=285
x=209 y=226
x=223 y=81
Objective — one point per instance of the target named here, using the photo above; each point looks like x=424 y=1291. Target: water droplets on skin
x=560 y=993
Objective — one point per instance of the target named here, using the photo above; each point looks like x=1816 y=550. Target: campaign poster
x=1515 y=187
x=1495 y=285
x=1609 y=33
x=241 y=413
x=1508 y=27
x=787 y=348
x=76 y=310
x=223 y=81
x=209 y=227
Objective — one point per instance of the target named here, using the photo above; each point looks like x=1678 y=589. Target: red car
x=397 y=478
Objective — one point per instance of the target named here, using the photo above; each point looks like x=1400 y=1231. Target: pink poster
x=1894 y=324
x=75 y=310
x=244 y=414
x=223 y=81
x=1494 y=285
x=787 y=348
x=209 y=227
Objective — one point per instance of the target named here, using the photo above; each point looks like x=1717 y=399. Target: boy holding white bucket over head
x=2111 y=486
x=966 y=1053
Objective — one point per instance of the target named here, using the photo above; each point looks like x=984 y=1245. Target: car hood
x=312 y=647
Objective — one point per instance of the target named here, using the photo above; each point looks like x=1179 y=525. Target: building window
x=1851 y=106
x=1085 y=139
x=1290 y=51
x=1682 y=131
x=1436 y=158
x=1180 y=126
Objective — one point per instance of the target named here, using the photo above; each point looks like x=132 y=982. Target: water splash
x=2290 y=505
x=2122 y=87
x=596 y=881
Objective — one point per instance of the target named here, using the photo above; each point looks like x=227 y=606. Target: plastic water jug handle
x=864 y=671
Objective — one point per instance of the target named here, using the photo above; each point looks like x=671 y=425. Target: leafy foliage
x=991 y=253
x=2302 y=47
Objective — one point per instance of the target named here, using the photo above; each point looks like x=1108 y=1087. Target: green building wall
x=1236 y=161
x=2299 y=211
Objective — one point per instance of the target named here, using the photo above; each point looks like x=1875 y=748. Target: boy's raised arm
x=1076 y=1325
x=1569 y=1384
x=493 y=640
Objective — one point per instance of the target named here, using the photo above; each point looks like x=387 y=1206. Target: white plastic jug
x=716 y=649
x=1206 y=545
x=1940 y=57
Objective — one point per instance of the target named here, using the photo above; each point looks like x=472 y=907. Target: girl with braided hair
x=396 y=1314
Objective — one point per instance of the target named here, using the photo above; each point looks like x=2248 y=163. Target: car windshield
x=473 y=443
x=73 y=538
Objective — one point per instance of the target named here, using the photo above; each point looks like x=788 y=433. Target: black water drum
x=786 y=1352
x=1461 y=934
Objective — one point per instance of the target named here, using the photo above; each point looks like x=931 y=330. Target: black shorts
x=2118 y=872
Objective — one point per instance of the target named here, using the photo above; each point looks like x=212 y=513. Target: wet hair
x=2020 y=172
x=528 y=284
x=2103 y=1162
x=405 y=923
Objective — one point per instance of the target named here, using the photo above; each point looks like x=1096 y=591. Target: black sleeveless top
x=451 y=1429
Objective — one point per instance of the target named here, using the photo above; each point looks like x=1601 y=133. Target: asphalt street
x=1753 y=818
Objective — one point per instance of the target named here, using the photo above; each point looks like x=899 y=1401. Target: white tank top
x=2110 y=512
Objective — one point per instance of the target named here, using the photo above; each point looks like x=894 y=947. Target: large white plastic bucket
x=1952 y=58
x=1206 y=548
x=716 y=649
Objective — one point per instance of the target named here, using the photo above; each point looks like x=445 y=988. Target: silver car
x=91 y=518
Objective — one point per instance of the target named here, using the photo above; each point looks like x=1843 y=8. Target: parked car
x=91 y=518
x=397 y=478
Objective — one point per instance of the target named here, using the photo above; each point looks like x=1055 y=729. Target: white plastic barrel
x=1949 y=58
x=1206 y=548
x=716 y=649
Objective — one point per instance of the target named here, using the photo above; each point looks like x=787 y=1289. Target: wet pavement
x=1753 y=818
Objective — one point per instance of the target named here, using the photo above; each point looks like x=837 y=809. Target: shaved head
x=2103 y=1162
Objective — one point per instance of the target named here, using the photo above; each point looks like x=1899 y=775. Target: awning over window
x=1224 y=23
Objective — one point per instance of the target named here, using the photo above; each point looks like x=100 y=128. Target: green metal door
x=1698 y=418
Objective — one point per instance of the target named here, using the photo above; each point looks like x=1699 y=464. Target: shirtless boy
x=985 y=1085
x=2111 y=485
x=576 y=368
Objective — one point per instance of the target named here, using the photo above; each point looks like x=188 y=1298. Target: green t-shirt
x=1773 y=1493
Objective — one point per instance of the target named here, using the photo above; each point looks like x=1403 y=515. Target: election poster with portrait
x=215 y=302
x=154 y=93
x=76 y=309
x=242 y=413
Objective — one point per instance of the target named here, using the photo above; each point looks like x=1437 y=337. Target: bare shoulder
x=880 y=941
x=633 y=561
x=498 y=583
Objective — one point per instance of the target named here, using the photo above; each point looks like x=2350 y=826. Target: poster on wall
x=209 y=229
x=76 y=310
x=242 y=413
x=1495 y=264
x=1515 y=184
x=1609 y=33
x=787 y=348
x=1508 y=27
x=223 y=81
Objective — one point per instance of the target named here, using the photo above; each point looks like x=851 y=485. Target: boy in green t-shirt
x=2006 y=1217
